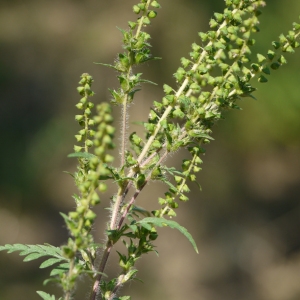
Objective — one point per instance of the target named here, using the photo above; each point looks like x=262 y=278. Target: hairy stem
x=104 y=259
x=141 y=19
x=117 y=287
x=123 y=138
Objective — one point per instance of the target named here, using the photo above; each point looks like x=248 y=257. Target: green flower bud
x=102 y=187
x=282 y=60
x=266 y=70
x=203 y=36
x=178 y=179
x=141 y=6
x=237 y=18
x=91 y=122
x=155 y=174
x=146 y=21
x=156 y=144
x=219 y=17
x=152 y=14
x=213 y=23
x=88 y=111
x=108 y=158
x=255 y=67
x=108 y=118
x=171 y=213
x=196 y=169
x=99 y=151
x=288 y=49
x=78 y=137
x=80 y=209
x=271 y=54
x=276 y=45
x=73 y=215
x=87 y=87
x=261 y=58
x=174 y=205
x=153 y=236
x=89 y=143
x=132 y=25
x=77 y=148
x=110 y=129
x=68 y=252
x=82 y=81
x=92 y=132
x=192 y=177
x=185 y=62
x=150 y=127
x=83 y=100
x=95 y=199
x=79 y=118
x=258 y=12
x=80 y=90
x=78 y=241
x=79 y=105
x=262 y=79
x=178 y=113
x=183 y=198
x=136 y=9
x=155 y=4
x=90 y=215
x=239 y=42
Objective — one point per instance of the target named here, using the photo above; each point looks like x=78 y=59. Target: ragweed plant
x=218 y=72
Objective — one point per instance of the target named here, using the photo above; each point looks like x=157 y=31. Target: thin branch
x=104 y=259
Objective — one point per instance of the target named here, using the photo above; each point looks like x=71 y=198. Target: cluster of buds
x=143 y=8
x=85 y=121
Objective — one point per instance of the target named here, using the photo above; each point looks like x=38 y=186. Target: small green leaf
x=33 y=256
x=161 y=222
x=46 y=296
x=199 y=134
x=147 y=81
x=141 y=210
x=49 y=262
x=106 y=65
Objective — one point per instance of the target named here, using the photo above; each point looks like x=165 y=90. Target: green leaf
x=173 y=189
x=106 y=65
x=199 y=134
x=33 y=252
x=60 y=269
x=49 y=262
x=147 y=81
x=141 y=210
x=33 y=256
x=161 y=222
x=82 y=155
x=46 y=296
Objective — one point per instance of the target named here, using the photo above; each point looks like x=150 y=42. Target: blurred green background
x=246 y=220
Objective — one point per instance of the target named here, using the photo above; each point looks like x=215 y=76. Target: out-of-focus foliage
x=245 y=220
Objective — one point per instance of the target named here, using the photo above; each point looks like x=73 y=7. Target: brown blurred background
x=245 y=221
